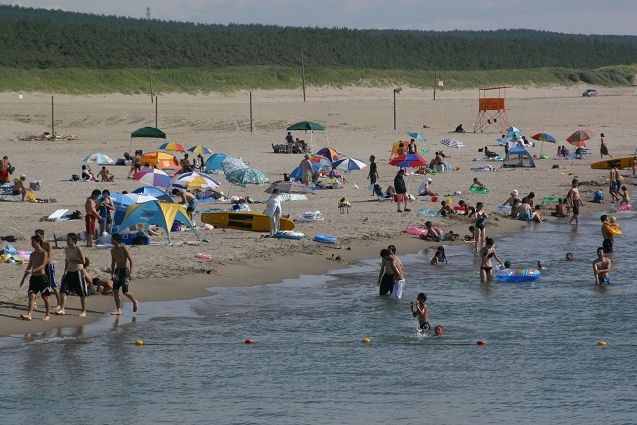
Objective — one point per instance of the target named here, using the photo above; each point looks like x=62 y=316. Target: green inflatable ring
x=478 y=189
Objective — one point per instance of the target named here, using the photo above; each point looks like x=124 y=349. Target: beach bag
x=75 y=178
x=11 y=169
x=76 y=215
x=35 y=185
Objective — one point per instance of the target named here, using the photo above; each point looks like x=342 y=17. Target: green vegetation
x=194 y=80
x=56 y=51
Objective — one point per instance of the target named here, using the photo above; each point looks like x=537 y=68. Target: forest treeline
x=45 y=39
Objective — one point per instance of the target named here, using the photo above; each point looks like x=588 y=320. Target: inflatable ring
x=202 y=256
x=328 y=239
x=625 y=207
x=416 y=231
x=517 y=275
x=479 y=189
x=289 y=234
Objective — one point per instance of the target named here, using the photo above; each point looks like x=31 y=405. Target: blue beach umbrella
x=348 y=164
x=213 y=163
x=416 y=135
x=153 y=191
x=245 y=176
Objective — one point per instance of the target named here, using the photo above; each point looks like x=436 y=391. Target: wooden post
x=250 y=112
x=394 y=109
x=303 y=74
x=52 y=120
x=435 y=83
x=150 y=80
x=156 y=101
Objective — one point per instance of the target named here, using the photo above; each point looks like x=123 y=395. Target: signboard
x=441 y=83
x=491 y=104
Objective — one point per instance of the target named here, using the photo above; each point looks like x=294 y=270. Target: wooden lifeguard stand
x=491 y=109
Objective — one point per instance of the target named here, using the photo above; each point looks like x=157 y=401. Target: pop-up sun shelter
x=159 y=213
x=518 y=157
x=146 y=132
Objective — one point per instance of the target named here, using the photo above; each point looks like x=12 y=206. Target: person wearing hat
x=511 y=200
x=306 y=170
x=425 y=188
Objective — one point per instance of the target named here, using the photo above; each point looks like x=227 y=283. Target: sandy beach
x=359 y=122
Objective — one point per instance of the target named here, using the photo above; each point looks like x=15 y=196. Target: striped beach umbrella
x=173 y=147
x=200 y=149
x=348 y=164
x=452 y=143
x=155 y=177
x=195 y=180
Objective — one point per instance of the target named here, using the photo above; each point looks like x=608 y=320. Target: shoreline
x=264 y=272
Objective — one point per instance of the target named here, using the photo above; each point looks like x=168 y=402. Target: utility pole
x=150 y=80
x=52 y=120
x=435 y=82
x=303 y=74
x=250 y=112
x=156 y=102
x=396 y=90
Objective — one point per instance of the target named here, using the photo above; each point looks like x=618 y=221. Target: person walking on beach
x=601 y=268
x=399 y=278
x=306 y=170
x=401 y=190
x=38 y=281
x=603 y=148
x=386 y=274
x=50 y=266
x=91 y=216
x=373 y=172
x=574 y=200
x=73 y=277
x=121 y=268
x=273 y=210
x=486 y=266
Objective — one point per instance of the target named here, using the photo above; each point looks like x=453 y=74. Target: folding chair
x=7 y=192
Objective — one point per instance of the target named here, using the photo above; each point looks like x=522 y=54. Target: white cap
x=429 y=179
x=514 y=193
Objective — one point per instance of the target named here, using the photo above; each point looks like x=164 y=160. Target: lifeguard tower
x=491 y=109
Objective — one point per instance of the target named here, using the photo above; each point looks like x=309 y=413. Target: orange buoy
x=366 y=340
x=139 y=342
x=248 y=341
x=481 y=342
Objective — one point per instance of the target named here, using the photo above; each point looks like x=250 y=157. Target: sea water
x=307 y=365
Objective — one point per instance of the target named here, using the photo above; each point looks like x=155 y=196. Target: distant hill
x=46 y=39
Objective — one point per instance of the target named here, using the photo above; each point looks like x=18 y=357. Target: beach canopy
x=159 y=213
x=306 y=126
x=122 y=202
x=161 y=160
x=150 y=132
x=518 y=157
x=416 y=136
x=213 y=163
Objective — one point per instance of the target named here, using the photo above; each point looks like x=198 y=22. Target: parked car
x=590 y=93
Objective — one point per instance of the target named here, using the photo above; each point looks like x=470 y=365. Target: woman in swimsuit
x=479 y=232
x=486 y=267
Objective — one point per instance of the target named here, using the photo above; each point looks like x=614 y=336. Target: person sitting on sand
x=459 y=129
x=561 y=209
x=445 y=209
x=439 y=257
x=421 y=310
x=524 y=211
x=105 y=175
x=531 y=199
x=87 y=174
x=425 y=188
x=469 y=210
x=536 y=217
x=511 y=199
x=19 y=187
x=433 y=233
x=489 y=154
x=95 y=285
x=477 y=183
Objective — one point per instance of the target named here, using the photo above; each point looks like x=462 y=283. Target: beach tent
x=311 y=127
x=146 y=132
x=159 y=213
x=518 y=157
x=213 y=164
x=161 y=160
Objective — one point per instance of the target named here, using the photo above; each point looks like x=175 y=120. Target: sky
x=574 y=16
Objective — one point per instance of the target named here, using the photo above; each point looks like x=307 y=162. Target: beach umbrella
x=452 y=143
x=155 y=177
x=348 y=164
x=321 y=160
x=200 y=149
x=245 y=176
x=579 y=138
x=231 y=163
x=513 y=132
x=329 y=153
x=297 y=173
x=413 y=160
x=173 y=147
x=213 y=163
x=288 y=187
x=543 y=137
x=153 y=191
x=417 y=136
x=99 y=158
x=195 y=180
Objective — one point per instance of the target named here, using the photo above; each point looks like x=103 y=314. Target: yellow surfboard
x=607 y=164
x=243 y=220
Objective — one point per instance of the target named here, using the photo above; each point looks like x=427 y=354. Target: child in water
x=439 y=257
x=625 y=196
x=421 y=311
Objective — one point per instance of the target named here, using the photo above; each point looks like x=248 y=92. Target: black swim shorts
x=386 y=284
x=73 y=282
x=39 y=284
x=121 y=280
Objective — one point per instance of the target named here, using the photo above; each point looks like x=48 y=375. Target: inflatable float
x=289 y=234
x=624 y=208
x=479 y=189
x=613 y=229
x=428 y=212
x=416 y=231
x=517 y=275
x=328 y=239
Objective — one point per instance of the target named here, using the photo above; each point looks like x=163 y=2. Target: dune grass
x=203 y=80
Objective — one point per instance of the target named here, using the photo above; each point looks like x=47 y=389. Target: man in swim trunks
x=121 y=267
x=421 y=311
x=486 y=267
x=50 y=266
x=386 y=274
x=574 y=200
x=73 y=277
x=91 y=216
x=601 y=268
x=4 y=169
x=399 y=278
x=38 y=281
x=607 y=245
